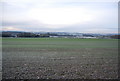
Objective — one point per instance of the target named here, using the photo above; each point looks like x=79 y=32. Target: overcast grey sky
x=85 y=16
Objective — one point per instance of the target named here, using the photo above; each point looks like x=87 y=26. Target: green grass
x=60 y=43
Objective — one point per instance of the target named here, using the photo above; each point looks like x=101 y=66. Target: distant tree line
x=29 y=34
x=6 y=34
x=115 y=36
x=24 y=34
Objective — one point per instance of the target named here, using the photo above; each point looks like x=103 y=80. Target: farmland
x=59 y=58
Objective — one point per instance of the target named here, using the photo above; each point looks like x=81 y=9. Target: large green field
x=59 y=58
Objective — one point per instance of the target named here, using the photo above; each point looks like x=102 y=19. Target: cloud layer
x=97 y=16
